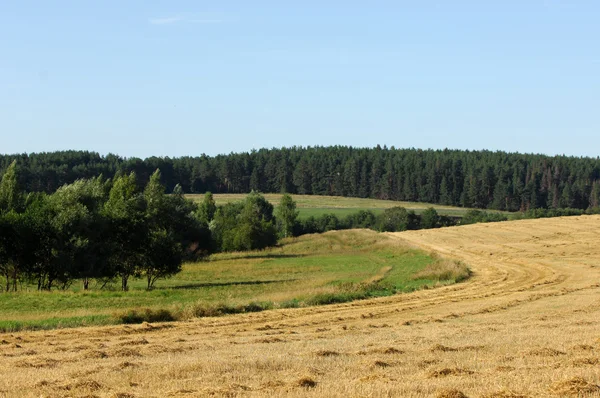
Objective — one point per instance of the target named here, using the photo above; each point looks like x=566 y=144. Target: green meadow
x=313 y=205
x=309 y=270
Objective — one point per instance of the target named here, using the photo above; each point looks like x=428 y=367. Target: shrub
x=293 y=303
x=477 y=216
x=397 y=219
x=201 y=310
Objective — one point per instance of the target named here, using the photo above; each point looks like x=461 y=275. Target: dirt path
x=526 y=324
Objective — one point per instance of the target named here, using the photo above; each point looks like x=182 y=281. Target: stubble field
x=526 y=324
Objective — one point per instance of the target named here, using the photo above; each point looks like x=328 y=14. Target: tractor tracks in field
x=511 y=267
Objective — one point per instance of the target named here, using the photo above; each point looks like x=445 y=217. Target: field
x=313 y=205
x=526 y=324
x=307 y=270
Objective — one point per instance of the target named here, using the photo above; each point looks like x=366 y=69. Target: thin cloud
x=185 y=18
x=205 y=20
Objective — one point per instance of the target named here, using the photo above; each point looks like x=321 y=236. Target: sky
x=174 y=78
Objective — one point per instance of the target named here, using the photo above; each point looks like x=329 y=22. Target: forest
x=478 y=179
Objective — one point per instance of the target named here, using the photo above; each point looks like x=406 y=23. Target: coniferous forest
x=480 y=179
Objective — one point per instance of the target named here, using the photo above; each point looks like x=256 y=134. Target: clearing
x=527 y=324
x=315 y=205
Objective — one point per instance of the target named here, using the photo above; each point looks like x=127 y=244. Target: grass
x=55 y=323
x=310 y=270
x=313 y=205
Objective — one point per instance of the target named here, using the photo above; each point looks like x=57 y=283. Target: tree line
x=478 y=179
x=94 y=229
x=111 y=230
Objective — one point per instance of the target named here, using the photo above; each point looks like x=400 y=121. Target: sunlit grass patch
x=333 y=267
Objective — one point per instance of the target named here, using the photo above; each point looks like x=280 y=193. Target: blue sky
x=172 y=78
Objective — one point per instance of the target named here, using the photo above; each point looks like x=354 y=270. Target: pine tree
x=595 y=194
x=566 y=198
x=445 y=196
x=501 y=195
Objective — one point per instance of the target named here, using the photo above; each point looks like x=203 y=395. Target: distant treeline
x=397 y=219
x=480 y=179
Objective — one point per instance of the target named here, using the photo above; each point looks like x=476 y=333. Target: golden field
x=526 y=324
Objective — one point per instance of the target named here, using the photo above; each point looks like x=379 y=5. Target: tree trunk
x=124 y=282
x=86 y=283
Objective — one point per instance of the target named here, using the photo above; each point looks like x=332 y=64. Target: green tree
x=396 y=219
x=501 y=196
x=171 y=227
x=80 y=229
x=286 y=215
x=430 y=218
x=154 y=193
x=207 y=208
x=51 y=233
x=7 y=244
x=126 y=215
x=360 y=219
x=445 y=195
x=246 y=225
x=595 y=194
x=163 y=257
x=566 y=199
x=11 y=197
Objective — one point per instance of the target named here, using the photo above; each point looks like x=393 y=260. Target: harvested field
x=526 y=324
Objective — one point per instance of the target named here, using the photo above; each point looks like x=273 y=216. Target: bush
x=146 y=315
x=430 y=218
x=246 y=225
x=477 y=216
x=397 y=219
x=360 y=219
x=202 y=310
x=293 y=303
x=547 y=213
x=334 y=298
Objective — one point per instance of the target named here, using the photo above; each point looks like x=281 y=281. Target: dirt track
x=526 y=324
